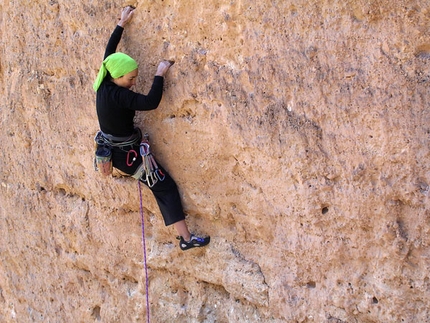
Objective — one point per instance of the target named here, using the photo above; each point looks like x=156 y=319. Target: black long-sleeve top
x=116 y=106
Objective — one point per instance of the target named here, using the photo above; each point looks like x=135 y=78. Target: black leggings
x=165 y=192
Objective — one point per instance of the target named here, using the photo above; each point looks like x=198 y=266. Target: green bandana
x=117 y=64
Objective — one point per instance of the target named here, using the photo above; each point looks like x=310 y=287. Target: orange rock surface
x=298 y=133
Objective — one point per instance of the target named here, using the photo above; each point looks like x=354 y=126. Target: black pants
x=165 y=192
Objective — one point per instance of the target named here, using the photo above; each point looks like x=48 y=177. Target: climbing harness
x=148 y=172
x=104 y=144
x=144 y=253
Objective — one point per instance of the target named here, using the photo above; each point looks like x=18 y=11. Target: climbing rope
x=144 y=252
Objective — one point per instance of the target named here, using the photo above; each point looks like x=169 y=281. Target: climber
x=116 y=106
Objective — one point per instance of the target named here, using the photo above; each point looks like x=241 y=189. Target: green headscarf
x=117 y=64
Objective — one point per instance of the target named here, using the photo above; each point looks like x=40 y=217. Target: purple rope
x=144 y=251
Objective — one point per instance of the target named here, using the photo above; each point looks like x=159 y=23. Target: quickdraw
x=151 y=174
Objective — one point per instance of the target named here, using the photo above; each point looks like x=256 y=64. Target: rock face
x=298 y=133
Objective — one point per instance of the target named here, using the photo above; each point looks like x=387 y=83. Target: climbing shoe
x=194 y=242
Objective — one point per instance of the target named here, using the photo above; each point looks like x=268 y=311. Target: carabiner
x=144 y=149
x=160 y=174
x=151 y=180
x=128 y=162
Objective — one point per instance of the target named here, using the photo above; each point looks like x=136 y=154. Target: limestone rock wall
x=298 y=133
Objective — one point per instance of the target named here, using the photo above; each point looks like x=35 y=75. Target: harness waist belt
x=136 y=135
x=115 y=141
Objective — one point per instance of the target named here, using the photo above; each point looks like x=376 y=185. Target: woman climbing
x=116 y=106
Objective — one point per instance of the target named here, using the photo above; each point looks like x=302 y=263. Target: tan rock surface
x=298 y=133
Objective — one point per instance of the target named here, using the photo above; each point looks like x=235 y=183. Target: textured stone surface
x=298 y=133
